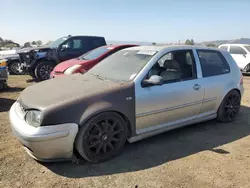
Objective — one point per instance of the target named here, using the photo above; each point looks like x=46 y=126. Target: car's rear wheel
x=43 y=70
x=229 y=107
x=102 y=137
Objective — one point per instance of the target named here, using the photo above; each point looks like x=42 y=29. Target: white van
x=240 y=53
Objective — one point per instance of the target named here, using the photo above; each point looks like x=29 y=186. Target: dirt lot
x=209 y=154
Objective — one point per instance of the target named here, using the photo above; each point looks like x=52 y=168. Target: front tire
x=102 y=137
x=43 y=70
x=230 y=107
x=14 y=68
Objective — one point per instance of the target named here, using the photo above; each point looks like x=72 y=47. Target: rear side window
x=212 y=63
x=237 y=50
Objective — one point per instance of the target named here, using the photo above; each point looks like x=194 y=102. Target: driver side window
x=175 y=66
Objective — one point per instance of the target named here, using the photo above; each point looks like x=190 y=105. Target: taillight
x=241 y=79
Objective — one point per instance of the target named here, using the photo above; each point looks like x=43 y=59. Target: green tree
x=39 y=42
x=153 y=43
x=189 y=42
x=33 y=43
x=26 y=44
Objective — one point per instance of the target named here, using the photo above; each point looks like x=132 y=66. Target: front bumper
x=3 y=73
x=45 y=143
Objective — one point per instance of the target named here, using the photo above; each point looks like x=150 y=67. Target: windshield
x=123 y=65
x=57 y=42
x=248 y=48
x=95 y=53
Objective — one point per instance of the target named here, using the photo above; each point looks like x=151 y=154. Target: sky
x=159 y=21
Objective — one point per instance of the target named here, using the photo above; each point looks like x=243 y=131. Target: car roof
x=171 y=47
x=235 y=44
x=89 y=36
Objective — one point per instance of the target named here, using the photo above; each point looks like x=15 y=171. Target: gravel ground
x=208 y=154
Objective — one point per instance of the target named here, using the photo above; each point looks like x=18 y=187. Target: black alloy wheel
x=102 y=137
x=43 y=70
x=230 y=107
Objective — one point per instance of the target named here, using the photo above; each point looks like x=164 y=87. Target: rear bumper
x=45 y=143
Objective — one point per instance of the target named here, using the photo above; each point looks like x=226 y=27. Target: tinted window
x=95 y=53
x=77 y=44
x=123 y=65
x=237 y=50
x=96 y=42
x=224 y=47
x=57 y=42
x=74 y=44
x=175 y=66
x=212 y=63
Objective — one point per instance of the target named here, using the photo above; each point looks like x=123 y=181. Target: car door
x=72 y=48
x=239 y=55
x=215 y=73
x=178 y=100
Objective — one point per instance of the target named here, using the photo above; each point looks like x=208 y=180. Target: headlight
x=3 y=63
x=33 y=117
x=72 y=70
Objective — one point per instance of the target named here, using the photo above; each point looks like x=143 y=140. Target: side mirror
x=64 y=47
x=244 y=55
x=153 y=80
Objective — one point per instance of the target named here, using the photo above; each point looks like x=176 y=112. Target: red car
x=87 y=60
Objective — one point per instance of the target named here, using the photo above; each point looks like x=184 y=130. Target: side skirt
x=168 y=128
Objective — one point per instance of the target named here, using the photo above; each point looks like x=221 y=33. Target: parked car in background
x=134 y=93
x=39 y=62
x=14 y=64
x=86 y=61
x=240 y=53
x=3 y=74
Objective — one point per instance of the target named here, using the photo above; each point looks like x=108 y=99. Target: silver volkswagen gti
x=133 y=94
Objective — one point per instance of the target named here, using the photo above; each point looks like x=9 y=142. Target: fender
x=104 y=106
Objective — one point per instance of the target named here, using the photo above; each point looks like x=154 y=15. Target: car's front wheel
x=102 y=137
x=230 y=107
x=43 y=70
x=15 y=68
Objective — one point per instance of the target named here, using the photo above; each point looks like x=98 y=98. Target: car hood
x=60 y=91
x=61 y=67
x=28 y=49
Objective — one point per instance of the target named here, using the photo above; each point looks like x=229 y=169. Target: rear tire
x=102 y=137
x=229 y=107
x=43 y=70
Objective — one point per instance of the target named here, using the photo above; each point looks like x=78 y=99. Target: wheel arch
x=43 y=60
x=101 y=107
x=225 y=93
